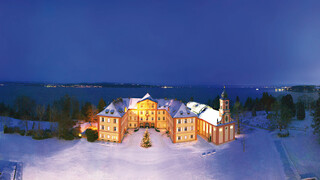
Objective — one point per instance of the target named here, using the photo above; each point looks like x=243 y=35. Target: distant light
x=257 y=89
x=80 y=135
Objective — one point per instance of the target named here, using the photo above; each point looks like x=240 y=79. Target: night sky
x=161 y=42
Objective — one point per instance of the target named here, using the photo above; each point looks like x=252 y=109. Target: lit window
x=108 y=128
x=220 y=129
x=108 y=136
x=191 y=128
x=185 y=137
x=231 y=127
x=108 y=120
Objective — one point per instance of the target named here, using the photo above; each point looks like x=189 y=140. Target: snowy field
x=79 y=159
x=303 y=147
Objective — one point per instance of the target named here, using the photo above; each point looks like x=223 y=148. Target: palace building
x=183 y=123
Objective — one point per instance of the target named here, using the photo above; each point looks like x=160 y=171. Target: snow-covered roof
x=205 y=112
x=176 y=108
x=147 y=96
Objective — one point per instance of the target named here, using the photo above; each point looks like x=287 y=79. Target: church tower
x=224 y=111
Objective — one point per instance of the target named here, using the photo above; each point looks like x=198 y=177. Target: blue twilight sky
x=161 y=42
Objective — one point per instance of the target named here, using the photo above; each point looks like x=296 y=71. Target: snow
x=260 y=120
x=266 y=156
x=79 y=159
x=12 y=122
x=205 y=112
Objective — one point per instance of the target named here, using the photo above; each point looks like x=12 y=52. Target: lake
x=45 y=95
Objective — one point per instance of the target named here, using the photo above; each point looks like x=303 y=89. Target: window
x=135 y=125
x=141 y=112
x=186 y=121
x=146 y=118
x=108 y=120
x=158 y=112
x=191 y=136
x=220 y=129
x=130 y=124
x=162 y=112
x=191 y=120
x=102 y=119
x=141 y=118
x=108 y=128
x=185 y=137
x=114 y=128
x=108 y=136
x=114 y=120
x=152 y=106
x=151 y=112
x=178 y=129
x=152 y=118
x=179 y=121
x=102 y=127
x=185 y=128
x=191 y=128
x=101 y=136
x=158 y=118
x=227 y=118
x=179 y=137
x=231 y=127
x=164 y=118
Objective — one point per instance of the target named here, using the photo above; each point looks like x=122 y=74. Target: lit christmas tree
x=146 y=142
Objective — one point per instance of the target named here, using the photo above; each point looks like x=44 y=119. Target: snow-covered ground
x=266 y=156
x=79 y=159
x=260 y=120
x=303 y=147
x=11 y=122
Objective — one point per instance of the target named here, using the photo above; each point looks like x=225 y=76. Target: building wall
x=185 y=129
x=147 y=113
x=108 y=129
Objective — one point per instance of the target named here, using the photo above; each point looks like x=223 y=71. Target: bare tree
x=40 y=113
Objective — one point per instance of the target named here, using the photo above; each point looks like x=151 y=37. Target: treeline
x=64 y=111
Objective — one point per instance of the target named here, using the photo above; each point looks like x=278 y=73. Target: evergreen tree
x=301 y=112
x=248 y=105
x=316 y=118
x=75 y=109
x=146 y=142
x=101 y=105
x=65 y=122
x=287 y=101
x=209 y=102
x=254 y=112
x=216 y=103
x=286 y=115
x=237 y=110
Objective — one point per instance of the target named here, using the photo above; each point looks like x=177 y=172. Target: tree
x=287 y=101
x=89 y=111
x=40 y=113
x=75 y=108
x=249 y=104
x=237 y=111
x=267 y=101
x=216 y=103
x=25 y=108
x=63 y=116
x=92 y=135
x=253 y=112
x=316 y=118
x=301 y=112
x=146 y=142
x=286 y=115
x=101 y=105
